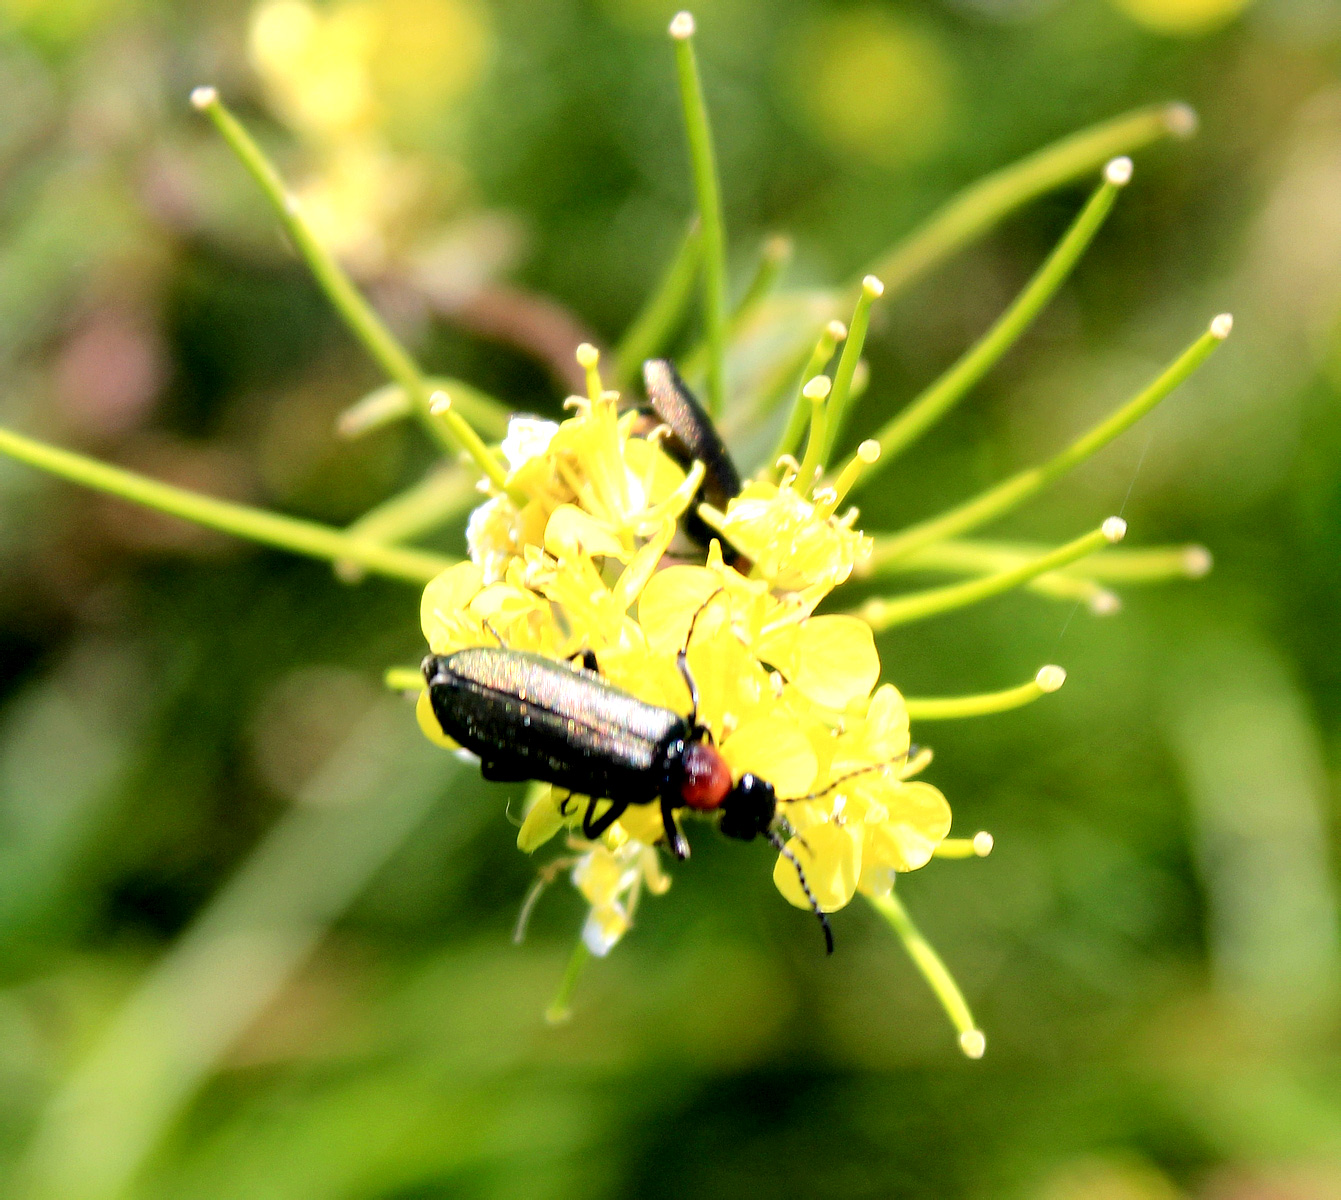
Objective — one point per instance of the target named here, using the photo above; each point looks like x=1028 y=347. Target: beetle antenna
x=780 y=846
x=682 y=658
x=842 y=779
x=498 y=637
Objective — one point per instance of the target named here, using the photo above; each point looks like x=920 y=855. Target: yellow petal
x=775 y=749
x=599 y=877
x=444 y=602
x=836 y=660
x=831 y=858
x=542 y=822
x=668 y=604
x=642 y=822
x=606 y=924
x=919 y=819
x=423 y=713
x=572 y=532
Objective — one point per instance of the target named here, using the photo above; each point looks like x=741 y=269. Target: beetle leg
x=497 y=772
x=593 y=826
x=587 y=658
x=679 y=846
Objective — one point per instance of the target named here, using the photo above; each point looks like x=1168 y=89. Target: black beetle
x=531 y=717
x=693 y=438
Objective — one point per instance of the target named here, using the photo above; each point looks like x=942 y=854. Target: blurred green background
x=255 y=932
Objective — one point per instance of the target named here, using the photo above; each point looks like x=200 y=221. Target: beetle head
x=749 y=808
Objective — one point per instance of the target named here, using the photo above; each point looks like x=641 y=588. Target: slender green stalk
x=445 y=493
x=1014 y=491
x=905 y=428
x=982 y=558
x=775 y=255
x=833 y=333
x=403 y=679
x=882 y=614
x=978 y=846
x=453 y=431
x=390 y=403
x=949 y=708
x=706 y=188
x=871 y=290
x=971 y=1039
x=1154 y=564
x=654 y=326
x=815 y=392
x=561 y=1007
x=984 y=204
x=254 y=524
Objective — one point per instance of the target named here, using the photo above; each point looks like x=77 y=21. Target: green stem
x=816 y=392
x=934 y=971
x=949 y=708
x=254 y=524
x=883 y=614
x=653 y=327
x=453 y=431
x=950 y=388
x=1014 y=491
x=799 y=416
x=976 y=558
x=985 y=203
x=561 y=1007
x=775 y=255
x=390 y=403
x=871 y=290
x=708 y=192
x=444 y=494
x=403 y=679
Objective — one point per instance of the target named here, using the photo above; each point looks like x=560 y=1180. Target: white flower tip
x=1222 y=326
x=973 y=1042
x=587 y=356
x=869 y=451
x=836 y=330
x=778 y=248
x=817 y=388
x=873 y=287
x=1181 y=120
x=1105 y=603
x=1197 y=562
x=1050 y=678
x=203 y=97
x=682 y=26
x=983 y=843
x=438 y=403
x=1114 y=529
x=1118 y=171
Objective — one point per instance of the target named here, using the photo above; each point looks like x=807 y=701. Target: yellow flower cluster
x=573 y=557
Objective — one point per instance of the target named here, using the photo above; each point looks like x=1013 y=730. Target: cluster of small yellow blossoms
x=576 y=555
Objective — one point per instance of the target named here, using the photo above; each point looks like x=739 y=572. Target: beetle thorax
x=706 y=779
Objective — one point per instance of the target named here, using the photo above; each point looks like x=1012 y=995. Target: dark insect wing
x=537 y=718
x=693 y=435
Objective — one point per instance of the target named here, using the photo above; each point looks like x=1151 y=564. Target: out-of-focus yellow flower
x=1181 y=16
x=610 y=878
x=871 y=85
x=333 y=71
x=353 y=78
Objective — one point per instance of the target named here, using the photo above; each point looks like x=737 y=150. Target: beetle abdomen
x=553 y=722
x=693 y=435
